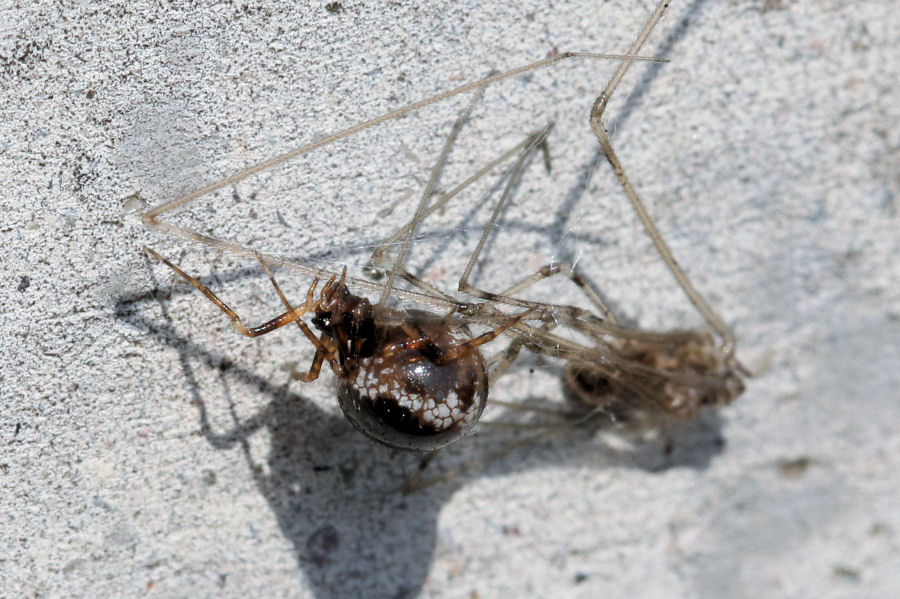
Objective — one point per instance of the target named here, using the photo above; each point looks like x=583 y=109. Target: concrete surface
x=145 y=449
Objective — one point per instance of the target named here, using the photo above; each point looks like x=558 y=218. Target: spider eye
x=321 y=322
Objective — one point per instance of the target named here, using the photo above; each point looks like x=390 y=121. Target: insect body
x=676 y=375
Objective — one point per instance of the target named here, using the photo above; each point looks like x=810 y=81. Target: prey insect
x=410 y=379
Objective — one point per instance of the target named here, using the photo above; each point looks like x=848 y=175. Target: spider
x=416 y=380
x=408 y=379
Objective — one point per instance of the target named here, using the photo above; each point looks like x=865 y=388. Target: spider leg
x=419 y=339
x=314 y=368
x=322 y=349
x=500 y=363
x=379 y=261
x=399 y=260
x=515 y=177
x=448 y=355
x=279 y=321
x=662 y=248
x=555 y=311
x=567 y=270
x=149 y=217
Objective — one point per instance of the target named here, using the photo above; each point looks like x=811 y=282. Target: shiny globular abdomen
x=406 y=399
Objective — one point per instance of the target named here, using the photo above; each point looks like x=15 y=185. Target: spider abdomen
x=406 y=397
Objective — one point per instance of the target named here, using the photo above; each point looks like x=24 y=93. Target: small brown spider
x=410 y=380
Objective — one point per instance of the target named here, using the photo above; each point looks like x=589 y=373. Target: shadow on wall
x=337 y=496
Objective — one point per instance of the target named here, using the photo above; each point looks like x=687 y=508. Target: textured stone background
x=146 y=449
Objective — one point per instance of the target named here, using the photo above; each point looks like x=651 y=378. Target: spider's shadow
x=337 y=497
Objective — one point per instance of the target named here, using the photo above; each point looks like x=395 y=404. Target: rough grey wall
x=148 y=449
